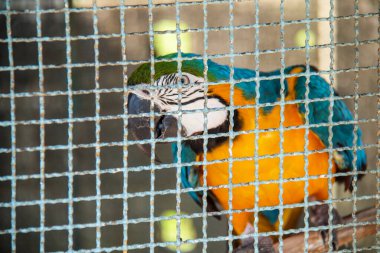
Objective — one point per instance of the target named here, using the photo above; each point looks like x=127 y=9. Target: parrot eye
x=183 y=80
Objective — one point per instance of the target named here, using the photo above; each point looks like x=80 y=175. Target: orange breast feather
x=243 y=172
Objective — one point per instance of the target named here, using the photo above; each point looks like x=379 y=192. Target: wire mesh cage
x=76 y=175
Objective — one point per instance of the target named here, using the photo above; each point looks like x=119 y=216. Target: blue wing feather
x=190 y=179
x=189 y=175
x=343 y=134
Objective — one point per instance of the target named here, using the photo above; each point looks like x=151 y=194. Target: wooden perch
x=295 y=243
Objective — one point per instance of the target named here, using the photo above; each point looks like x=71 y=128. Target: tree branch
x=295 y=243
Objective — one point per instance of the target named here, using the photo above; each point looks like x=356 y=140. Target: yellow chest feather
x=268 y=168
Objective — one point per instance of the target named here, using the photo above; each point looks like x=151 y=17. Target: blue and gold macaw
x=274 y=151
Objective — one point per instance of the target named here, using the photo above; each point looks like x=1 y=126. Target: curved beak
x=165 y=126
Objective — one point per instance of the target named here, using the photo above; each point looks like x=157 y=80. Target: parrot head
x=179 y=100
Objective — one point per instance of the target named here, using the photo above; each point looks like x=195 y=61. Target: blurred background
x=23 y=36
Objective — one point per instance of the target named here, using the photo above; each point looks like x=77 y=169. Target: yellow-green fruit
x=169 y=231
x=167 y=43
x=300 y=38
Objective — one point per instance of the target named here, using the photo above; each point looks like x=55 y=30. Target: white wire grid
x=42 y=228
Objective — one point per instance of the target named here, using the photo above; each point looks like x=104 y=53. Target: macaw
x=273 y=151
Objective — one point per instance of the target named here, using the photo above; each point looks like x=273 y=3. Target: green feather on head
x=191 y=66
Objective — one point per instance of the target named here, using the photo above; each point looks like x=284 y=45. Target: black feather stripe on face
x=171 y=78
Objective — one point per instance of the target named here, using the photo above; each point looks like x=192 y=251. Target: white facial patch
x=195 y=122
x=192 y=98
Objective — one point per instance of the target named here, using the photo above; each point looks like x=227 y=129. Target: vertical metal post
x=151 y=122
x=205 y=132
x=13 y=127
x=97 y=124
x=70 y=128
x=356 y=128
x=125 y=125
x=179 y=127
x=42 y=127
x=330 y=120
x=281 y=128
x=306 y=136
x=231 y=126
x=257 y=126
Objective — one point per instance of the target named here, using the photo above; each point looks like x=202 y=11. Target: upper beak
x=165 y=126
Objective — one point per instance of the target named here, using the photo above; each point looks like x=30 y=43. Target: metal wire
x=179 y=130
x=205 y=140
x=42 y=130
x=127 y=168
x=281 y=126
x=125 y=125
x=97 y=125
x=70 y=131
x=151 y=127
x=13 y=129
x=307 y=123
x=231 y=124
x=257 y=108
x=330 y=120
x=354 y=144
